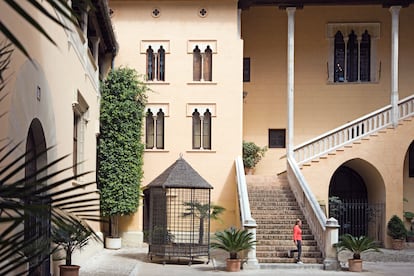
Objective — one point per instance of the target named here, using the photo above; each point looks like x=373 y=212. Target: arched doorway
x=348 y=201
x=37 y=224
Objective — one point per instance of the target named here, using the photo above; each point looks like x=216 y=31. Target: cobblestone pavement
x=135 y=261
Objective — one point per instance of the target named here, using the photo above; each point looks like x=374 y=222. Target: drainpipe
x=395 y=11
x=290 y=78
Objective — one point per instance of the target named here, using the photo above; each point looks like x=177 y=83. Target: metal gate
x=358 y=217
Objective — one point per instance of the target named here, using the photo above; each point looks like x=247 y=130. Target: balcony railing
x=351 y=131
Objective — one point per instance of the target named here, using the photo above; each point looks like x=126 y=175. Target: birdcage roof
x=179 y=175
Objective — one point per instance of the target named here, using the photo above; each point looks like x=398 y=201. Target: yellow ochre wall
x=319 y=106
x=179 y=23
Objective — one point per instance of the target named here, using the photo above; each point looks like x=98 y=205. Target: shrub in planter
x=252 y=154
x=396 y=230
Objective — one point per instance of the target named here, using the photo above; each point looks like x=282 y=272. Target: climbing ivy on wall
x=120 y=147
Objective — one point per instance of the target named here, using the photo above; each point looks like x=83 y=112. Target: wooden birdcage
x=177 y=213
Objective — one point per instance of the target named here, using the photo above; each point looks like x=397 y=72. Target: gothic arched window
x=149 y=130
x=352 y=58
x=207 y=130
x=339 y=57
x=196 y=64
x=196 y=130
x=161 y=64
x=365 y=57
x=160 y=130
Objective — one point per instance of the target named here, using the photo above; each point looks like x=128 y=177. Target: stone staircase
x=275 y=210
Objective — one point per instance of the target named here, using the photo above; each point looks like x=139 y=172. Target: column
x=290 y=78
x=395 y=12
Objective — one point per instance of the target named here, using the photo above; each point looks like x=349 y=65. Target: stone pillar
x=395 y=12
x=290 y=78
x=251 y=262
x=331 y=237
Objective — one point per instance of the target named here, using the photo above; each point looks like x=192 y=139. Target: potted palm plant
x=356 y=245
x=233 y=241
x=69 y=233
x=398 y=233
x=252 y=154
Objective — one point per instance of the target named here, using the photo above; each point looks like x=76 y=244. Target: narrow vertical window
x=207 y=130
x=80 y=119
x=150 y=64
x=196 y=64
x=208 y=64
x=196 y=130
x=161 y=64
x=160 y=130
x=246 y=69
x=149 y=130
x=76 y=120
x=365 y=57
x=352 y=58
x=339 y=57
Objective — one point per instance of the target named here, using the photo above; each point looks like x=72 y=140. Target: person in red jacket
x=297 y=239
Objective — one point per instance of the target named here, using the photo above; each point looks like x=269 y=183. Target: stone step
x=275 y=210
x=288 y=260
x=287 y=243
x=284 y=254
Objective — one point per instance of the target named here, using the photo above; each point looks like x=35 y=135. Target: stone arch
x=359 y=190
x=408 y=183
x=36 y=226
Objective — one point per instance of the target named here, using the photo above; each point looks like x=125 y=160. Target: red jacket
x=297 y=233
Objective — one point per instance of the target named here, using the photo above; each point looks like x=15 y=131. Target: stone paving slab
x=135 y=261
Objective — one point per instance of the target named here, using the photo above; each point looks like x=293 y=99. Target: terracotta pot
x=397 y=244
x=69 y=270
x=248 y=171
x=233 y=265
x=355 y=265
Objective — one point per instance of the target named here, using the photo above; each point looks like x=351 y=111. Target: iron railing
x=359 y=218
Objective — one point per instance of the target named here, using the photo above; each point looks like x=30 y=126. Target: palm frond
x=60 y=6
x=56 y=200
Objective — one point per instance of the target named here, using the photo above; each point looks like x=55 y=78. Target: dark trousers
x=299 y=250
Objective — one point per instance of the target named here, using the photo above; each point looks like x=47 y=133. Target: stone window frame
x=374 y=30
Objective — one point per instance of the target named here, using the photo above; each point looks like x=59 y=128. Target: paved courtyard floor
x=135 y=261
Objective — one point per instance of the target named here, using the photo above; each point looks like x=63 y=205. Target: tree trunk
x=114 y=226
x=201 y=231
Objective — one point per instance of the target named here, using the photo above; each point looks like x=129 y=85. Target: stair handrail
x=247 y=220
x=315 y=217
x=354 y=130
x=244 y=205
